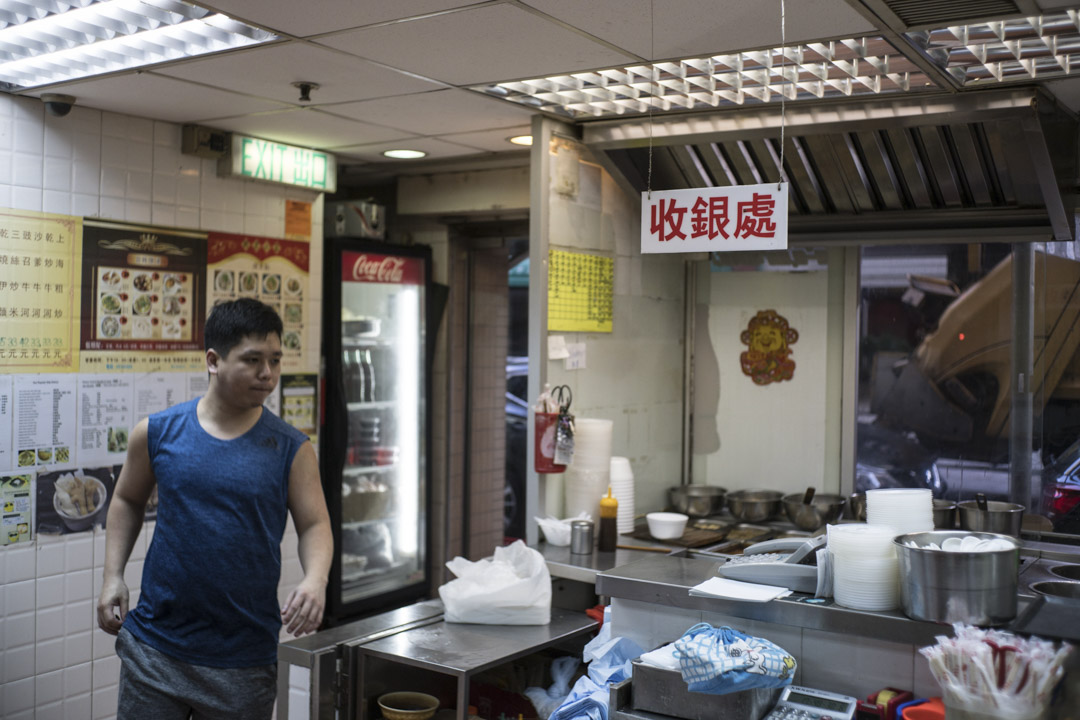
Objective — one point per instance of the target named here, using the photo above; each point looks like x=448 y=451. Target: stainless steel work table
x=462 y=650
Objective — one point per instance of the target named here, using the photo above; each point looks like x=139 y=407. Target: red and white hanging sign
x=721 y=219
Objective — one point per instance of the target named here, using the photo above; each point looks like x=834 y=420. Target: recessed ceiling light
x=50 y=42
x=404 y=154
x=521 y=139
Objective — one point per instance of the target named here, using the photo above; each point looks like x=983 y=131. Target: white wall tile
x=78 y=648
x=106 y=672
x=86 y=177
x=18 y=664
x=24 y=198
x=187 y=190
x=5 y=192
x=112 y=208
x=80 y=617
x=21 y=563
x=17 y=697
x=165 y=188
x=49 y=655
x=78 y=708
x=49 y=687
x=19 y=597
x=140 y=157
x=78 y=679
x=114 y=152
x=137 y=211
x=57 y=174
x=167 y=134
x=50 y=591
x=59 y=140
x=54 y=201
x=79 y=552
x=50 y=623
x=103 y=644
x=104 y=702
x=17 y=630
x=50 y=557
x=83 y=119
x=51 y=711
x=78 y=585
x=139 y=185
x=113 y=181
x=85 y=205
x=162 y=214
x=29 y=137
x=86 y=147
x=7 y=158
x=7 y=132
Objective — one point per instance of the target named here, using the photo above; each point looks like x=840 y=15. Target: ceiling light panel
x=52 y=41
x=1019 y=49
x=840 y=68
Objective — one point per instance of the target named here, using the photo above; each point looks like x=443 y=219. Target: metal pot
x=697 y=500
x=979 y=588
x=754 y=505
x=998 y=517
x=856 y=507
x=822 y=510
x=944 y=514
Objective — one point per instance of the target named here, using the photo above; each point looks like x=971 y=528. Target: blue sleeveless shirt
x=210 y=578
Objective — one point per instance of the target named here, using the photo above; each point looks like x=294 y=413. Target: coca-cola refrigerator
x=376 y=434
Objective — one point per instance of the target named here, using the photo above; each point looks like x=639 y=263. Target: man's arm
x=125 y=519
x=303 y=608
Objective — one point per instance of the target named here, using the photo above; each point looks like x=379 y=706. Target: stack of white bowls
x=905 y=510
x=588 y=474
x=622 y=488
x=864 y=566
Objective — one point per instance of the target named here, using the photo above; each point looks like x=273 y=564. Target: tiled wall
x=55 y=663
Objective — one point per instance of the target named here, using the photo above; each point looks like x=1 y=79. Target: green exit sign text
x=258 y=159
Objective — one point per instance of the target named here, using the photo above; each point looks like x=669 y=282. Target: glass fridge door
x=382 y=364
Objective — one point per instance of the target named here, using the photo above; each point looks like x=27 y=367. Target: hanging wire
x=783 y=90
x=652 y=96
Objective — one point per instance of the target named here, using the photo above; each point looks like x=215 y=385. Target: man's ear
x=212 y=360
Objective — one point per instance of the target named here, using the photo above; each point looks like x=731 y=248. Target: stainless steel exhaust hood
x=978 y=165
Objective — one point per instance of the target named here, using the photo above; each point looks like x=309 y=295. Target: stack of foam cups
x=864 y=565
x=622 y=487
x=905 y=510
x=588 y=474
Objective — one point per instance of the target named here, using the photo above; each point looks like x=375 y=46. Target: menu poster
x=44 y=419
x=198 y=383
x=155 y=392
x=299 y=403
x=70 y=501
x=580 y=292
x=273 y=271
x=105 y=418
x=16 y=507
x=7 y=459
x=40 y=272
x=143 y=290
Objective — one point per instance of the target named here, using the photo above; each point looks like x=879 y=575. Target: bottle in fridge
x=376 y=432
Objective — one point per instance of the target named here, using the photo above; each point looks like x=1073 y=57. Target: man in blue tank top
x=202 y=640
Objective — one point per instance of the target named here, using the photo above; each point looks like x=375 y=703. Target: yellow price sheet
x=580 y=292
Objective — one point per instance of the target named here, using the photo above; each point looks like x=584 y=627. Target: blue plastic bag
x=721 y=660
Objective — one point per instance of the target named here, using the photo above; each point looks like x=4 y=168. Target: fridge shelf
x=362 y=342
x=355 y=524
x=365 y=469
x=377 y=405
x=358 y=575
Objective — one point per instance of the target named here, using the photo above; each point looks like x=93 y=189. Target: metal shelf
x=377 y=405
x=364 y=470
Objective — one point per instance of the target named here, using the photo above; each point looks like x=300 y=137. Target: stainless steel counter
x=584 y=568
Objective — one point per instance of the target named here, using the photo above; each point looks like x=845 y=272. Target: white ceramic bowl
x=82 y=522
x=666 y=525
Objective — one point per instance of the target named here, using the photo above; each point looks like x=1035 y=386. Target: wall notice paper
x=40 y=272
x=155 y=392
x=7 y=458
x=44 y=420
x=580 y=292
x=299 y=403
x=297 y=220
x=105 y=418
x=273 y=271
x=16 y=507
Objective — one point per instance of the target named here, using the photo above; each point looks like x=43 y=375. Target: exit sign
x=270 y=161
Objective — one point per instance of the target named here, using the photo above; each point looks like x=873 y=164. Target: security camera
x=57 y=105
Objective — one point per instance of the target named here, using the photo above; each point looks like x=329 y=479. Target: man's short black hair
x=230 y=322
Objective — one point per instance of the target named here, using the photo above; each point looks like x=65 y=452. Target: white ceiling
x=394 y=73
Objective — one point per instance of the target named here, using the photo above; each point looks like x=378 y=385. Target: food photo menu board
x=273 y=271
x=142 y=289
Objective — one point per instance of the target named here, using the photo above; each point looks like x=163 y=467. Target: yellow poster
x=580 y=292
x=40 y=276
x=297 y=220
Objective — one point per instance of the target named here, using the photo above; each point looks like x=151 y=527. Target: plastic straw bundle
x=996 y=673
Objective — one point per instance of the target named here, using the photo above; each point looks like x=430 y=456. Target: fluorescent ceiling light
x=520 y=139
x=1020 y=49
x=404 y=154
x=53 y=41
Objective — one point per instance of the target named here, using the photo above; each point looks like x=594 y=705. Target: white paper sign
x=105 y=418
x=722 y=219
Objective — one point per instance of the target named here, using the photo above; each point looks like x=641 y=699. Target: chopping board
x=691 y=538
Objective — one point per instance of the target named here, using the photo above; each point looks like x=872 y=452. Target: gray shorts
x=154 y=686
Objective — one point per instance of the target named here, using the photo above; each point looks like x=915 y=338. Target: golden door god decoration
x=769 y=338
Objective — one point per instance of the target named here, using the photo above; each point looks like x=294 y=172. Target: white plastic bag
x=511 y=588
x=557 y=532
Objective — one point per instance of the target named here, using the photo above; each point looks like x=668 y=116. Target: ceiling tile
x=434 y=148
x=487 y=43
x=318 y=16
x=491 y=140
x=160 y=98
x=685 y=28
x=309 y=128
x=270 y=71
x=437 y=113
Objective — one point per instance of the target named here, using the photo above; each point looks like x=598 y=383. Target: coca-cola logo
x=379 y=269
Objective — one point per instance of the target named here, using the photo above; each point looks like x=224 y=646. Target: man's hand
x=303 y=608
x=112 y=605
